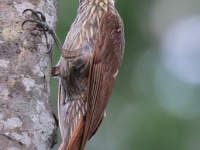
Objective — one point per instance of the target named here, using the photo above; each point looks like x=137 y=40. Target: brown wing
x=107 y=58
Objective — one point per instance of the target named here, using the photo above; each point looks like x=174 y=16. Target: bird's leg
x=55 y=71
x=40 y=21
x=70 y=56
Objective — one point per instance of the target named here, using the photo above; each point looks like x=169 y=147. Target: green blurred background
x=155 y=104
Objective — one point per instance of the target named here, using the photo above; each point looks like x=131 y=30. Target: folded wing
x=106 y=61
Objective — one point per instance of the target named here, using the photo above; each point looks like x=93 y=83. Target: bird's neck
x=95 y=8
x=104 y=4
x=110 y=2
x=87 y=22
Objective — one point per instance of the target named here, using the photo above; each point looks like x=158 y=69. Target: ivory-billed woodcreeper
x=89 y=63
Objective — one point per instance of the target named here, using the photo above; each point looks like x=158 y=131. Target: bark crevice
x=26 y=117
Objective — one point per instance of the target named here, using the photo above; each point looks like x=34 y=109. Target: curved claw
x=31 y=10
x=35 y=13
x=35 y=21
x=42 y=16
x=39 y=23
x=25 y=22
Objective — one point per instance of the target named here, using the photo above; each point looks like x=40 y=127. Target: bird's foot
x=40 y=21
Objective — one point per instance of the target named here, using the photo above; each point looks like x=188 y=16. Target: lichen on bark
x=26 y=117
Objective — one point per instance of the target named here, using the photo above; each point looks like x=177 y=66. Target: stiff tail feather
x=75 y=141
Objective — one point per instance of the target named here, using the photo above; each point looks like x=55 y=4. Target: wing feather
x=107 y=57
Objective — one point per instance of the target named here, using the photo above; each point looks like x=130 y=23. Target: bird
x=90 y=60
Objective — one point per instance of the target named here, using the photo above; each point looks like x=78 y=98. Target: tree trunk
x=26 y=117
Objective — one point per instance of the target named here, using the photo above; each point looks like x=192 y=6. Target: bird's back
x=75 y=73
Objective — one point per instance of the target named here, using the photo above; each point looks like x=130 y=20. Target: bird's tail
x=76 y=140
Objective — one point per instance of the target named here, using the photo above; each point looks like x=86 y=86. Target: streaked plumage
x=89 y=64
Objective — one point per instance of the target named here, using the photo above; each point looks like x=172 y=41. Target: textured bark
x=26 y=118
